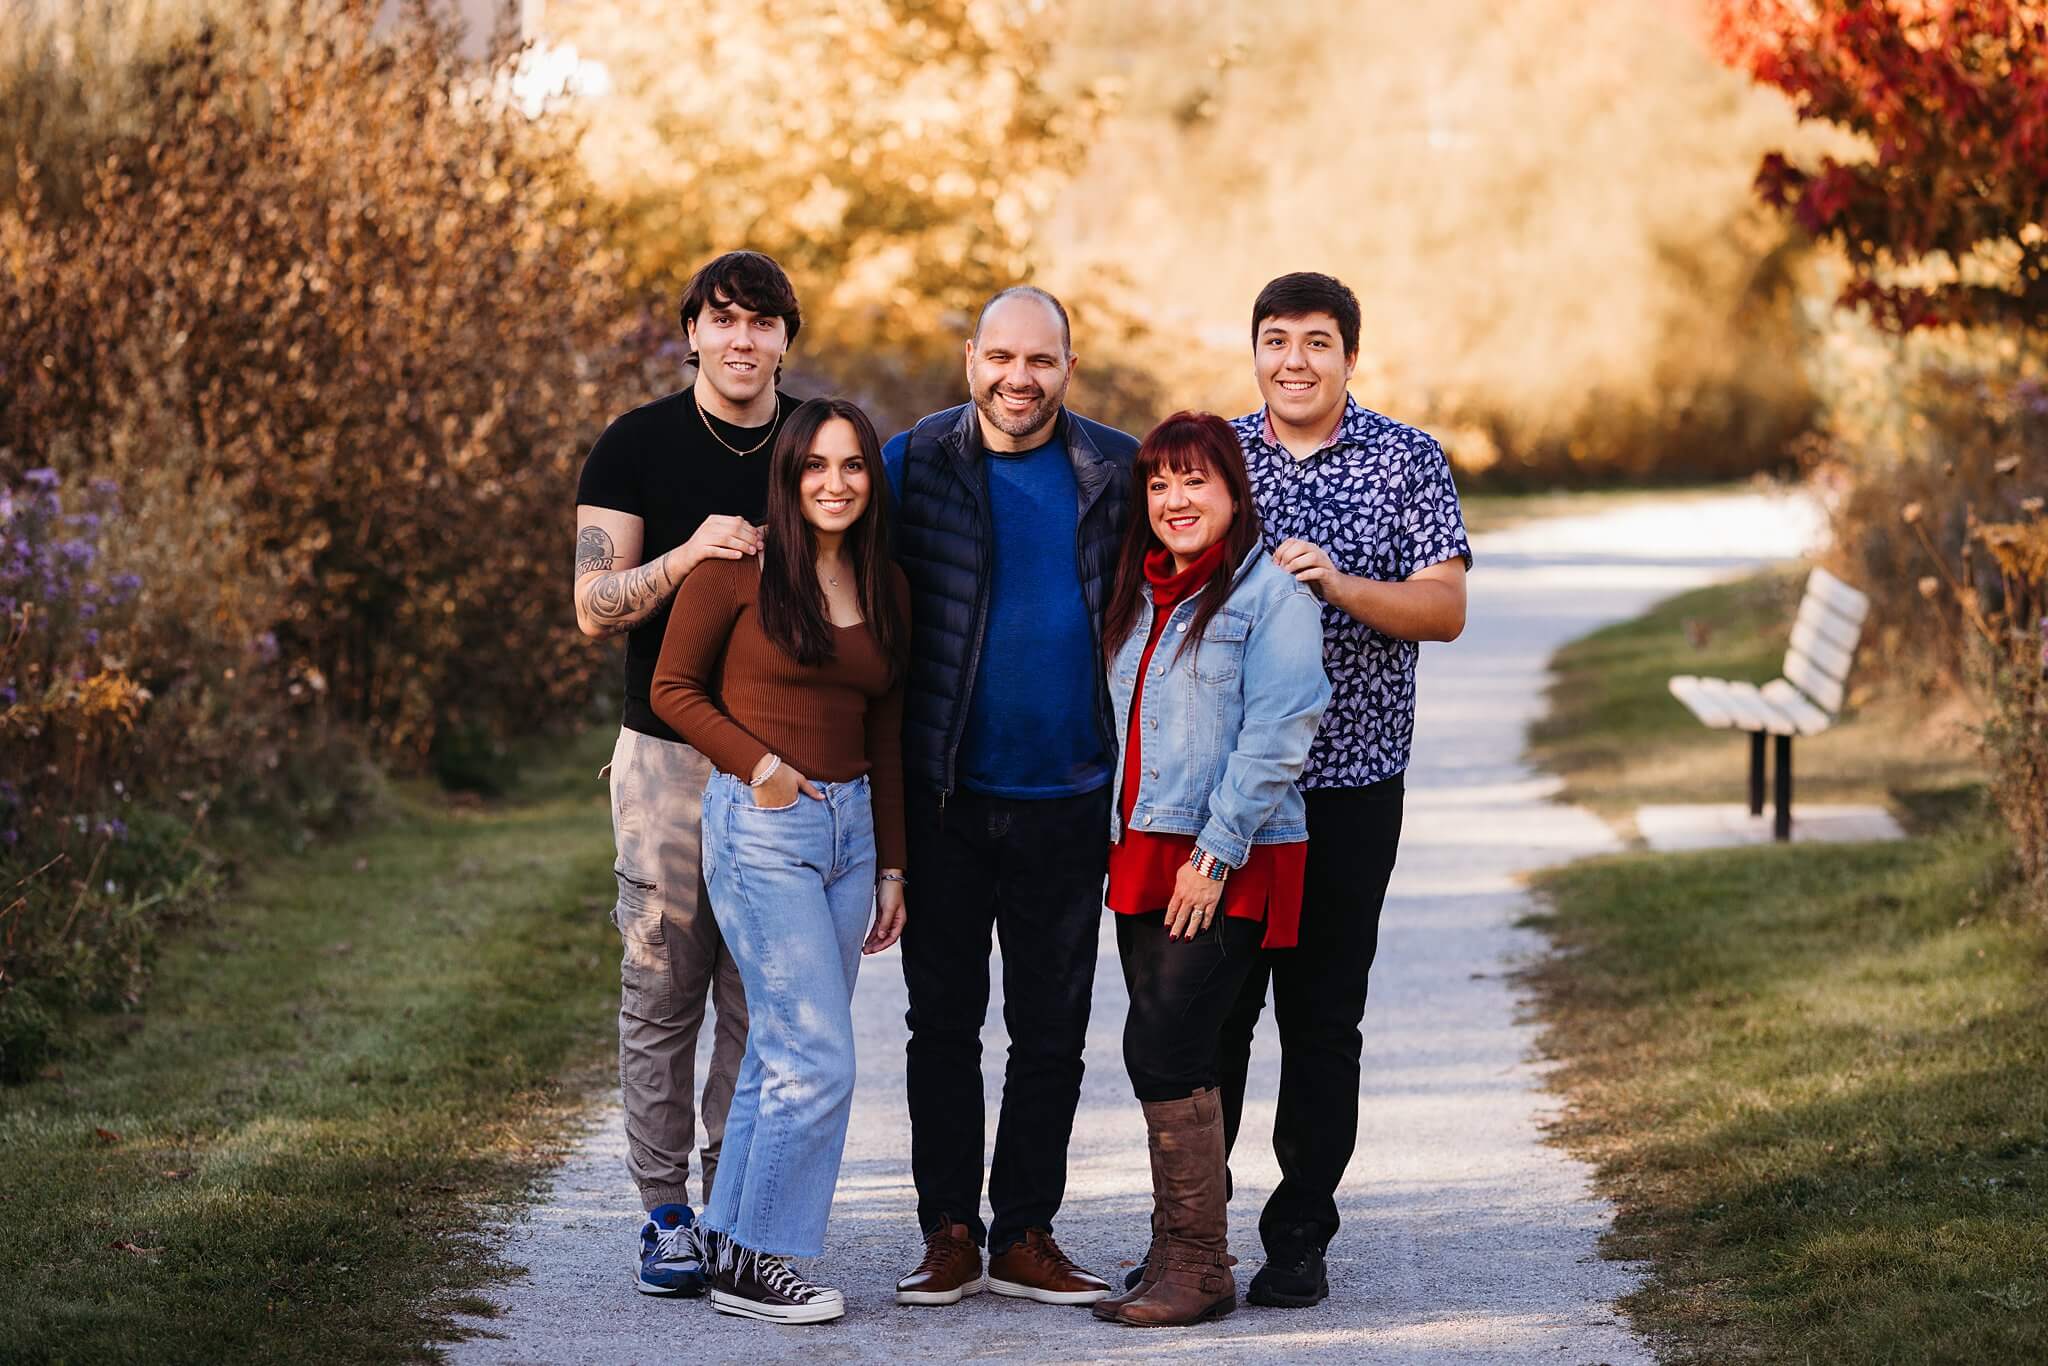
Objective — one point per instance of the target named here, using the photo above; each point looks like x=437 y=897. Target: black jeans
x=1318 y=1000
x=1032 y=871
x=1180 y=993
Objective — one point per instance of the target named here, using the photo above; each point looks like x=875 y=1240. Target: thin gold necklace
x=705 y=418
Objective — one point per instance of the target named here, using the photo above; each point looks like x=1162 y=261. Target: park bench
x=1805 y=701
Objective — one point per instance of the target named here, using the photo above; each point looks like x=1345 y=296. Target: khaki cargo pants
x=673 y=958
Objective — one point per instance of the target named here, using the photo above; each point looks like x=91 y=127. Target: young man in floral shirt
x=1362 y=509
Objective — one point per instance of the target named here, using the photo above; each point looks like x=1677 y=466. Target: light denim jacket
x=1226 y=726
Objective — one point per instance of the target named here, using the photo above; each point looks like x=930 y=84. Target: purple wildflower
x=266 y=647
x=77 y=552
x=126 y=586
x=8 y=697
x=10 y=837
x=92 y=636
x=44 y=478
x=105 y=488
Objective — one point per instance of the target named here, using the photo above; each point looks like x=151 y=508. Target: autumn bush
x=1937 y=392
x=290 y=396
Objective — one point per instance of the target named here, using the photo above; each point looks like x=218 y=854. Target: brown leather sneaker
x=1036 y=1269
x=951 y=1268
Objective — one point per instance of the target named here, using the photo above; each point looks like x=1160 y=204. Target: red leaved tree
x=1952 y=96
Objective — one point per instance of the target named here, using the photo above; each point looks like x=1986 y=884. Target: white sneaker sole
x=822 y=1311
x=973 y=1287
x=650 y=1288
x=1018 y=1291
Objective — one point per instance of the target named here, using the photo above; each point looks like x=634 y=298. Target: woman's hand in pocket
x=782 y=784
x=889 y=913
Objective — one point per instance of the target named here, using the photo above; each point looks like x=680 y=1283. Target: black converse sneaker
x=759 y=1285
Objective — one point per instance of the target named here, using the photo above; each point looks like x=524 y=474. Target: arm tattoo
x=594 y=550
x=619 y=601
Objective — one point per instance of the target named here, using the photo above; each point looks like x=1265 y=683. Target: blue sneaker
x=671 y=1262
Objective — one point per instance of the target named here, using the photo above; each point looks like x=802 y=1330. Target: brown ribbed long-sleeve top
x=734 y=695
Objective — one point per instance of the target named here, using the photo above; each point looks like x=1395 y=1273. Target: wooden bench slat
x=1772 y=718
x=1746 y=705
x=1687 y=689
x=1824 y=692
x=1832 y=658
x=1810 y=719
x=1815 y=615
x=1840 y=597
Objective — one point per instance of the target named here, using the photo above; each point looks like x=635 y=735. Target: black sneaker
x=758 y=1285
x=1291 y=1279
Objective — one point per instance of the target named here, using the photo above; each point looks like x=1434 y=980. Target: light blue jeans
x=793 y=889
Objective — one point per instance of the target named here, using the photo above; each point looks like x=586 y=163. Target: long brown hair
x=1184 y=442
x=792 y=603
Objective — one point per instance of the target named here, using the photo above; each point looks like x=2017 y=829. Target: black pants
x=1318 y=1000
x=1180 y=992
x=1032 y=871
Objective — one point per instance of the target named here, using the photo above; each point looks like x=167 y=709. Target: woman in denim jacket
x=1215 y=661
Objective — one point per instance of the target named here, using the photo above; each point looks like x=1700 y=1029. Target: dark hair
x=1029 y=292
x=1303 y=293
x=792 y=604
x=749 y=279
x=1186 y=441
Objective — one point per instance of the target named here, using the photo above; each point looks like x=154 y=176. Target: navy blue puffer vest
x=944 y=534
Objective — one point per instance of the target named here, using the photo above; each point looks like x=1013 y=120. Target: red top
x=1142 y=868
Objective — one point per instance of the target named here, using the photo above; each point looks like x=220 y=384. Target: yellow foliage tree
x=897 y=156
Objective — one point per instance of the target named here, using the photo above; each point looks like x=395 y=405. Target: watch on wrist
x=1208 y=865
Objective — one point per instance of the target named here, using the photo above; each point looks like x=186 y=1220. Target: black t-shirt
x=661 y=464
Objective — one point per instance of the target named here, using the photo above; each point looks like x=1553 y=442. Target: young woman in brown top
x=786 y=671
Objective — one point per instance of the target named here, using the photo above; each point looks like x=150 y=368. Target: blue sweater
x=1030 y=721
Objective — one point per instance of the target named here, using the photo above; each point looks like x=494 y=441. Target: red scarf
x=1168 y=587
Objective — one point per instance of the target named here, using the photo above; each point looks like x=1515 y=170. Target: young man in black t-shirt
x=674 y=483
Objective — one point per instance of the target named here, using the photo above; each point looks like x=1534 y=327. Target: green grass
x=1813 y=1079
x=1619 y=739
x=334 y=1077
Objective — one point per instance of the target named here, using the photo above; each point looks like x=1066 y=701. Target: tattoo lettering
x=621 y=600
x=594 y=551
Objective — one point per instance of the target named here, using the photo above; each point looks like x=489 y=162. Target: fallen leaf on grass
x=123 y=1245
x=107 y=1136
x=175 y=1173
x=341 y=950
x=361 y=865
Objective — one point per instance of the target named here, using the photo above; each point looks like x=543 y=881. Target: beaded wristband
x=1208 y=865
x=774 y=762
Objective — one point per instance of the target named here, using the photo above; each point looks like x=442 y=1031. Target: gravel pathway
x=1466 y=1238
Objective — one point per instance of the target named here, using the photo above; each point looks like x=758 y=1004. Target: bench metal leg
x=1756 y=773
x=1782 y=830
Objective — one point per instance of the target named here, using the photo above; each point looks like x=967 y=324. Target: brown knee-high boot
x=1188 y=1277
x=1149 y=1272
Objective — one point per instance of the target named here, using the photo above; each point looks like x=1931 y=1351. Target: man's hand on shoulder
x=719 y=538
x=1428 y=605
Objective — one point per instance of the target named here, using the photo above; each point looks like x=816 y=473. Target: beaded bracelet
x=893 y=877
x=1208 y=865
